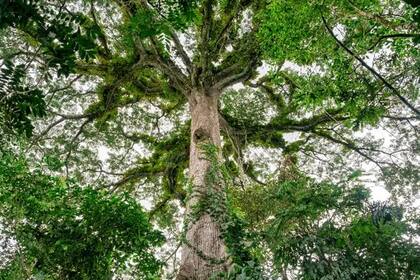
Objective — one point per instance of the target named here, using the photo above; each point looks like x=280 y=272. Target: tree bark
x=204 y=252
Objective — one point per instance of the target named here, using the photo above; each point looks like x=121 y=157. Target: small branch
x=123 y=181
x=45 y=132
x=103 y=171
x=73 y=117
x=377 y=18
x=220 y=42
x=397 y=118
x=392 y=36
x=277 y=99
x=102 y=37
x=68 y=86
x=72 y=143
x=348 y=145
x=373 y=71
x=132 y=176
x=224 y=31
x=173 y=253
x=159 y=206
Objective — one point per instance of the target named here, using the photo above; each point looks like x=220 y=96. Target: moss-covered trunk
x=204 y=252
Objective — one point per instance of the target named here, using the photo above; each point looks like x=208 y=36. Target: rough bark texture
x=204 y=253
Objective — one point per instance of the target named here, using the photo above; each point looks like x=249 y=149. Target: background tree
x=331 y=231
x=176 y=95
x=68 y=232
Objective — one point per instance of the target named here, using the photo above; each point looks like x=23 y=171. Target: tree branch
x=181 y=51
x=72 y=143
x=102 y=37
x=169 y=68
x=220 y=42
x=400 y=35
x=277 y=99
x=205 y=34
x=132 y=176
x=377 y=18
x=159 y=206
x=233 y=79
x=350 y=146
x=45 y=131
x=370 y=69
x=74 y=117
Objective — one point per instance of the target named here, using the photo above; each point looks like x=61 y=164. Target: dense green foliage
x=18 y=102
x=331 y=231
x=64 y=231
x=334 y=233
x=318 y=102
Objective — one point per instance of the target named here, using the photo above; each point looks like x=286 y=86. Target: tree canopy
x=248 y=133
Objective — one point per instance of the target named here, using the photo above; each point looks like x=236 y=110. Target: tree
x=163 y=76
x=68 y=232
x=332 y=231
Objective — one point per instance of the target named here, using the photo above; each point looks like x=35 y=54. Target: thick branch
x=162 y=62
x=181 y=51
x=169 y=68
x=205 y=34
x=233 y=79
x=229 y=70
x=306 y=125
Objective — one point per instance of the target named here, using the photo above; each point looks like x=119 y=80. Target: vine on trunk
x=215 y=202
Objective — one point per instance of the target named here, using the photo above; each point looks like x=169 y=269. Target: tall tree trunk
x=204 y=252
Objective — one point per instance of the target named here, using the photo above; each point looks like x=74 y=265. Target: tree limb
x=205 y=34
x=399 y=35
x=181 y=51
x=233 y=79
x=348 y=145
x=169 y=68
x=72 y=143
x=373 y=71
x=102 y=37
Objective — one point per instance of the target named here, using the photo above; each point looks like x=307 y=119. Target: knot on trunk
x=201 y=136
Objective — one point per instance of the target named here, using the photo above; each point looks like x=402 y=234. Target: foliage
x=330 y=231
x=16 y=12
x=62 y=36
x=64 y=231
x=105 y=87
x=18 y=102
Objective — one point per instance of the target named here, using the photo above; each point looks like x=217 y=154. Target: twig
x=373 y=71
